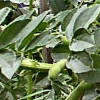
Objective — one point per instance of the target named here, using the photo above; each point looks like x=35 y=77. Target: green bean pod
x=78 y=92
x=56 y=69
x=31 y=64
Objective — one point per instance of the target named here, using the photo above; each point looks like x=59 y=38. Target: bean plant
x=69 y=30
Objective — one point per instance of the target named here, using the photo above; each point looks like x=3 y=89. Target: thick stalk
x=31 y=5
x=79 y=91
x=64 y=40
x=29 y=84
x=29 y=80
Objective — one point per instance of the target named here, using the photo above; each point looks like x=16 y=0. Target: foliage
x=71 y=29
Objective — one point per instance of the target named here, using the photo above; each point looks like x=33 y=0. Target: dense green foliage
x=70 y=29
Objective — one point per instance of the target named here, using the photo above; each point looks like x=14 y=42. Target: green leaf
x=44 y=39
x=58 y=56
x=25 y=42
x=53 y=42
x=79 y=45
x=91 y=76
x=68 y=18
x=59 y=52
x=39 y=41
x=9 y=63
x=82 y=42
x=59 y=18
x=12 y=33
x=4 y=13
x=23 y=29
x=31 y=27
x=41 y=27
x=82 y=19
x=80 y=63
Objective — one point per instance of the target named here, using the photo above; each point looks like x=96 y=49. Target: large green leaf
x=20 y=30
x=31 y=27
x=93 y=75
x=82 y=42
x=4 y=13
x=59 y=18
x=59 y=52
x=80 y=63
x=44 y=39
x=68 y=18
x=9 y=63
x=12 y=33
x=27 y=40
x=82 y=19
x=79 y=45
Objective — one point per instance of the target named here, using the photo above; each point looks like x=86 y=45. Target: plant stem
x=64 y=40
x=58 y=67
x=29 y=84
x=97 y=23
x=31 y=5
x=29 y=80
